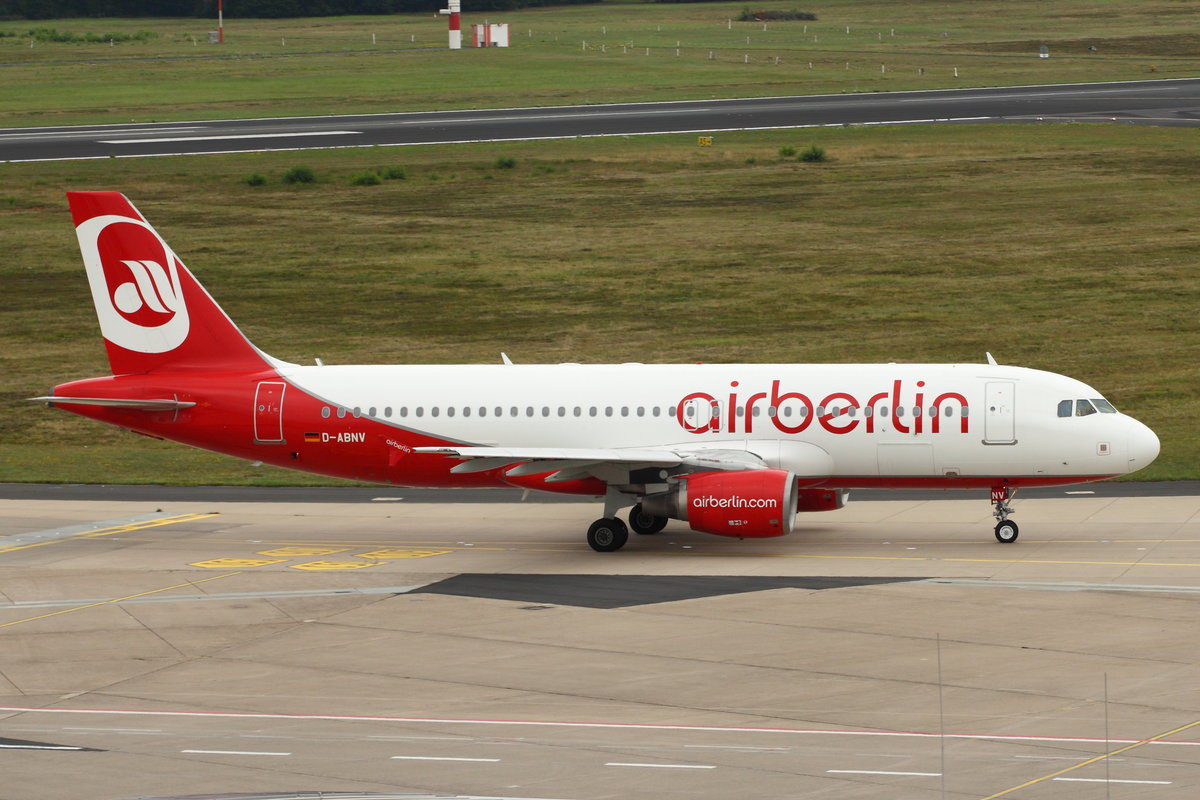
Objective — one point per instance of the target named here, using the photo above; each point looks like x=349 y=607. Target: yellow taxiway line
x=1094 y=760
x=113 y=530
x=118 y=599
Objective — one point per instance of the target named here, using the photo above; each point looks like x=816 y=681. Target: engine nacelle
x=747 y=503
x=822 y=499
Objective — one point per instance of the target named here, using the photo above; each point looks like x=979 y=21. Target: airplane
x=731 y=449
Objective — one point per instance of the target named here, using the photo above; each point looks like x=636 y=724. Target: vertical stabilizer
x=153 y=312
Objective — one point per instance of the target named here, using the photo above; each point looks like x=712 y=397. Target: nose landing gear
x=1006 y=530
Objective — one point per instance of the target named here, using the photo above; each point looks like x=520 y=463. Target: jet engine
x=746 y=503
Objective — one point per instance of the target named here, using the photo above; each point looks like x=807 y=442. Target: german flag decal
x=312 y=437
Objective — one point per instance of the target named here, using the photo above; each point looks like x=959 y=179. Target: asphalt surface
x=1166 y=102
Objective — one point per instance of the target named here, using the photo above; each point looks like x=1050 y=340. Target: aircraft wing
x=607 y=464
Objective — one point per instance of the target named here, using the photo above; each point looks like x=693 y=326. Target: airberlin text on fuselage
x=837 y=412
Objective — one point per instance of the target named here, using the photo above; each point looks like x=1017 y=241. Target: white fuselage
x=923 y=421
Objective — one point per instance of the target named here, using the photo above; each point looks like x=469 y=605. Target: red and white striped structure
x=490 y=35
x=454 y=11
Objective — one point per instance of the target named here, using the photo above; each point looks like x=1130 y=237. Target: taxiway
x=890 y=650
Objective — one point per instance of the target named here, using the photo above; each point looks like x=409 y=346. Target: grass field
x=583 y=54
x=1073 y=248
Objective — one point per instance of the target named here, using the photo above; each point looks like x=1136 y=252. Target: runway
x=892 y=649
x=1159 y=102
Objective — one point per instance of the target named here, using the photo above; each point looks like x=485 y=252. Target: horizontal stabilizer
x=116 y=402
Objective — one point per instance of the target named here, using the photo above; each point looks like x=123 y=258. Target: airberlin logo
x=838 y=412
x=134 y=278
x=711 y=501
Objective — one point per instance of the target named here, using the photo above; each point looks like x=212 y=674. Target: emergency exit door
x=1000 y=420
x=268 y=412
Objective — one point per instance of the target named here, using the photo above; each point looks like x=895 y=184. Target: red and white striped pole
x=220 y=22
x=455 y=23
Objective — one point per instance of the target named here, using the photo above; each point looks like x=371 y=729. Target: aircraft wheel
x=643 y=523
x=1006 y=532
x=607 y=535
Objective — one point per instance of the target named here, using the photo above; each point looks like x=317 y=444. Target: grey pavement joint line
x=187 y=598
x=67 y=531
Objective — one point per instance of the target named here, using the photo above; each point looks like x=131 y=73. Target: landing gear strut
x=1006 y=530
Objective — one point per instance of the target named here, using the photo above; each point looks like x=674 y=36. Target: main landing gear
x=645 y=523
x=609 y=533
x=1006 y=530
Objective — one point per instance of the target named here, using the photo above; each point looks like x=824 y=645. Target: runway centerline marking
x=117 y=600
x=1112 y=780
x=658 y=766
x=881 y=772
x=442 y=758
x=232 y=753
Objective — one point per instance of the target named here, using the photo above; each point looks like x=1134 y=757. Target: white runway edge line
x=995 y=737
x=216 y=137
x=86 y=133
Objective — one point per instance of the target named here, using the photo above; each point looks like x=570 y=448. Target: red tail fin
x=153 y=312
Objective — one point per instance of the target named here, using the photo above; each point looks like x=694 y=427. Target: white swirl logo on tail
x=134 y=276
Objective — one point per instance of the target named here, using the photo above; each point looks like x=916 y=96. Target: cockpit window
x=1066 y=408
x=1104 y=406
x=1084 y=409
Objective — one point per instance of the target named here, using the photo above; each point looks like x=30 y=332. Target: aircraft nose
x=1143 y=446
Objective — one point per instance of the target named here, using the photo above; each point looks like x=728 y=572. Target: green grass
x=1072 y=248
x=584 y=54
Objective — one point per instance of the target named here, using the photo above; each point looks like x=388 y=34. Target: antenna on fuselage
x=992 y=361
x=507 y=361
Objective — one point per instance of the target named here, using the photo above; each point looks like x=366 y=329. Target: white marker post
x=454 y=11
